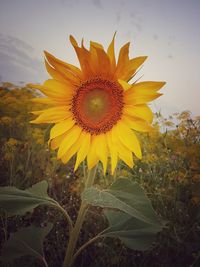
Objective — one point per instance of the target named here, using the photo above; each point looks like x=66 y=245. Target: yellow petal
x=54 y=73
x=37 y=112
x=70 y=138
x=55 y=143
x=83 y=151
x=128 y=138
x=112 y=150
x=73 y=149
x=137 y=124
x=84 y=58
x=125 y=154
x=114 y=135
x=123 y=59
x=129 y=69
x=56 y=90
x=95 y=45
x=139 y=111
x=92 y=158
x=124 y=84
x=139 y=98
x=103 y=60
x=62 y=127
x=145 y=87
x=43 y=100
x=53 y=115
x=67 y=66
x=142 y=92
x=111 y=53
x=100 y=143
x=73 y=41
x=63 y=68
x=94 y=58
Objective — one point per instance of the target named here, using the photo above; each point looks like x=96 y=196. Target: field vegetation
x=169 y=172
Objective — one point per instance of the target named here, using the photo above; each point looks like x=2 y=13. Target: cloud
x=17 y=61
x=69 y=3
x=97 y=3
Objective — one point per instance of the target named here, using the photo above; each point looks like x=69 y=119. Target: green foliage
x=134 y=233
x=125 y=196
x=17 y=202
x=25 y=157
x=137 y=223
x=27 y=241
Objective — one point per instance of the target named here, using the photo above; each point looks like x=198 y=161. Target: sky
x=167 y=31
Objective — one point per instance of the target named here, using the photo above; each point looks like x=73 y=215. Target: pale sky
x=167 y=31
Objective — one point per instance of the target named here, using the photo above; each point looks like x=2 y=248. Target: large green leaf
x=17 y=202
x=125 y=196
x=134 y=233
x=27 y=241
x=132 y=218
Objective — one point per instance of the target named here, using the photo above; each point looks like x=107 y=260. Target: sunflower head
x=96 y=111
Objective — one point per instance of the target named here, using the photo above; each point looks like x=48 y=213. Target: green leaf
x=125 y=196
x=27 y=241
x=17 y=202
x=132 y=218
x=135 y=234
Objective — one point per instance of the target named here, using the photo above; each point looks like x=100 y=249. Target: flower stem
x=65 y=213
x=92 y=240
x=68 y=261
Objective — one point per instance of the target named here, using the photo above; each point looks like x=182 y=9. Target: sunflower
x=95 y=110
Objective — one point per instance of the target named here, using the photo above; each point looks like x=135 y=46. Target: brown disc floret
x=97 y=105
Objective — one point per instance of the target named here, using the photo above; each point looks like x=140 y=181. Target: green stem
x=68 y=261
x=65 y=213
x=92 y=240
x=45 y=262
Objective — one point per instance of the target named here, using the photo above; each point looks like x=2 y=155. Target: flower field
x=169 y=171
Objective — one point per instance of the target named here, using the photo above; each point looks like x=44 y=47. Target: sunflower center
x=97 y=105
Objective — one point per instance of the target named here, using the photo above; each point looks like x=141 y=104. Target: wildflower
x=38 y=136
x=94 y=108
x=196 y=177
x=6 y=120
x=12 y=142
x=10 y=148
